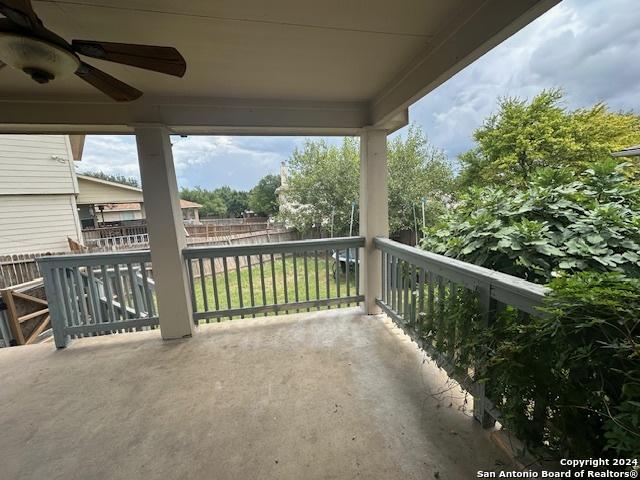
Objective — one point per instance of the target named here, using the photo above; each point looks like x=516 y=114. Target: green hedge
x=568 y=383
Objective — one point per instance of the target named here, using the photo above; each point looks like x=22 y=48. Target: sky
x=589 y=48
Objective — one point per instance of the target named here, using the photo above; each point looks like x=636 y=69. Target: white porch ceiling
x=282 y=66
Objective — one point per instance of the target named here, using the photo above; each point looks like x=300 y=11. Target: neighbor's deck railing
x=421 y=292
x=128 y=242
x=91 y=294
x=230 y=281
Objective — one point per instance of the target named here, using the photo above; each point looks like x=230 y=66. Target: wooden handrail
x=420 y=292
x=510 y=290
x=279 y=247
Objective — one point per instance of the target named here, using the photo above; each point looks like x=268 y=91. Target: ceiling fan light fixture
x=42 y=61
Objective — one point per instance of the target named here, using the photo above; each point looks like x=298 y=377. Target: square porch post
x=166 y=230
x=374 y=212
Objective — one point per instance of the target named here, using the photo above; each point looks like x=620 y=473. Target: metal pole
x=353 y=207
x=424 y=222
x=415 y=222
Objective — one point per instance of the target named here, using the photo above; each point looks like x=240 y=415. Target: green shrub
x=569 y=382
x=557 y=225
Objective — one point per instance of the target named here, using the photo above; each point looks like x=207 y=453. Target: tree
x=558 y=225
x=212 y=203
x=262 y=198
x=324 y=182
x=221 y=202
x=237 y=201
x=131 y=181
x=523 y=137
x=417 y=171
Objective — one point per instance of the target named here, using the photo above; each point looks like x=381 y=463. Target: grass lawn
x=249 y=277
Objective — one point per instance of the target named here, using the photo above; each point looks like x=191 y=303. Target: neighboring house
x=120 y=212
x=101 y=201
x=105 y=202
x=190 y=212
x=124 y=212
x=43 y=203
x=38 y=189
x=284 y=205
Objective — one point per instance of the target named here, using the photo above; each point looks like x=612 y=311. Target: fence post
x=14 y=322
x=56 y=313
x=488 y=309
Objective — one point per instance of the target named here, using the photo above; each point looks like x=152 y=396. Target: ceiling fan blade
x=114 y=88
x=20 y=12
x=159 y=59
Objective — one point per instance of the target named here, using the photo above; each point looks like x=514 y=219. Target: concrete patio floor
x=326 y=395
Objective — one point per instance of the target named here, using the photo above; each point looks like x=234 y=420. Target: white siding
x=37 y=223
x=98 y=192
x=36 y=164
x=120 y=216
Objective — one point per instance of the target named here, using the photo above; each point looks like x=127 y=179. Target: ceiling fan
x=27 y=45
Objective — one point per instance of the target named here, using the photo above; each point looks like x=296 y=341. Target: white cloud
x=113 y=154
x=588 y=47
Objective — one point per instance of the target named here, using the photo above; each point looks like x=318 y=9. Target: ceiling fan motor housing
x=27 y=45
x=39 y=59
x=40 y=76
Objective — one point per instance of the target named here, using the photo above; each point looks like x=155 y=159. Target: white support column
x=374 y=211
x=166 y=230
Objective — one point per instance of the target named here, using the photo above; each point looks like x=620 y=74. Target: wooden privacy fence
x=204 y=230
x=208 y=230
x=17 y=269
x=141 y=242
x=234 y=221
x=279 y=277
x=241 y=239
x=422 y=293
x=26 y=313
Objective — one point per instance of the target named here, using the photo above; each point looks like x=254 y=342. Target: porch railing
x=92 y=294
x=97 y=293
x=423 y=293
x=247 y=280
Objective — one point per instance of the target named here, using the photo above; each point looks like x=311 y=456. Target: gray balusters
x=284 y=280
x=306 y=278
x=214 y=284
x=252 y=298
x=338 y=271
x=315 y=261
x=239 y=280
x=326 y=271
x=226 y=284
x=273 y=279
x=262 y=284
x=295 y=278
x=203 y=287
